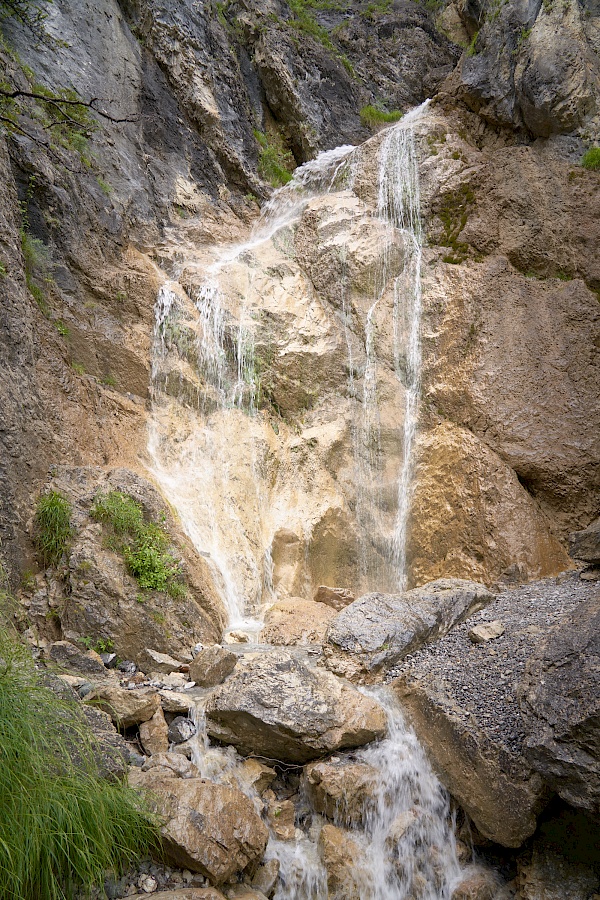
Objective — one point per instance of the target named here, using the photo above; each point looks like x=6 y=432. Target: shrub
x=62 y=826
x=53 y=527
x=144 y=545
x=371 y=116
x=591 y=159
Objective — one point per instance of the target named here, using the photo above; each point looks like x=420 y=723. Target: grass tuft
x=371 y=116
x=591 y=159
x=52 y=528
x=62 y=825
x=274 y=161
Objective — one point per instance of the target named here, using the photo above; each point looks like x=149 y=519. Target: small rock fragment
x=161 y=662
x=337 y=598
x=487 y=631
x=181 y=729
x=154 y=734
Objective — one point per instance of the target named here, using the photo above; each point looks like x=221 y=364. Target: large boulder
x=378 y=630
x=343 y=791
x=585 y=544
x=212 y=665
x=297 y=621
x=208 y=828
x=126 y=707
x=560 y=699
x=277 y=707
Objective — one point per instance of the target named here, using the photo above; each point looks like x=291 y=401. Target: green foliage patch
x=371 y=116
x=454 y=213
x=274 y=161
x=591 y=159
x=62 y=825
x=144 y=545
x=52 y=527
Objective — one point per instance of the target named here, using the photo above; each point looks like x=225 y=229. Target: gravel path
x=482 y=679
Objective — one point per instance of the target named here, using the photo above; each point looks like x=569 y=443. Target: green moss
x=371 y=116
x=591 y=159
x=62 y=825
x=454 y=213
x=471 y=49
x=144 y=545
x=109 y=380
x=52 y=527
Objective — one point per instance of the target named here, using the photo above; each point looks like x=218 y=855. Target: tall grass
x=591 y=159
x=62 y=826
x=371 y=116
x=53 y=527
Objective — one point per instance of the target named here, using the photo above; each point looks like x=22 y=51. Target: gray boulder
x=585 y=544
x=277 y=707
x=560 y=700
x=378 y=630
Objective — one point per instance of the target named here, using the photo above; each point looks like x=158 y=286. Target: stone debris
x=337 y=598
x=488 y=632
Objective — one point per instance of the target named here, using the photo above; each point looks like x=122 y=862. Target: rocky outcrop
x=375 y=632
x=208 y=828
x=585 y=544
x=315 y=712
x=560 y=698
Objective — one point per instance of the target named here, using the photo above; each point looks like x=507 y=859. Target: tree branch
x=58 y=102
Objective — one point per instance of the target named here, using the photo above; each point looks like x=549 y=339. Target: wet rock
x=256 y=775
x=208 y=828
x=125 y=707
x=237 y=637
x=585 y=544
x=265 y=878
x=341 y=856
x=560 y=699
x=296 y=621
x=488 y=632
x=377 y=630
x=282 y=818
x=548 y=875
x=337 y=598
x=344 y=791
x=478 y=884
x=314 y=713
x=212 y=665
x=244 y=892
x=160 y=662
x=176 y=764
x=175 y=701
x=88 y=662
x=181 y=729
x=154 y=734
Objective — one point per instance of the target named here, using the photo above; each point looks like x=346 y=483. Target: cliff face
x=507 y=458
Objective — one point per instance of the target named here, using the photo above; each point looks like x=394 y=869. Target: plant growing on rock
x=52 y=527
x=372 y=116
x=62 y=825
x=144 y=545
x=591 y=159
x=274 y=161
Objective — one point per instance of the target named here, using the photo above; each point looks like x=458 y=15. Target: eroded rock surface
x=278 y=708
x=297 y=621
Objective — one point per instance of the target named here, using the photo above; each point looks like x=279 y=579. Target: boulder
x=154 y=734
x=498 y=789
x=184 y=894
x=337 y=598
x=560 y=699
x=296 y=621
x=176 y=764
x=111 y=746
x=65 y=654
x=478 y=884
x=208 y=828
x=265 y=878
x=488 y=631
x=175 y=702
x=212 y=665
x=585 y=544
x=341 y=856
x=160 y=662
x=125 y=707
x=256 y=775
x=378 y=630
x=342 y=791
x=276 y=707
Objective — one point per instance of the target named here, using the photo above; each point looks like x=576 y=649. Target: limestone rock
x=176 y=764
x=114 y=751
x=488 y=631
x=337 y=598
x=377 y=630
x=88 y=662
x=125 y=707
x=585 y=544
x=184 y=894
x=560 y=699
x=256 y=775
x=341 y=856
x=498 y=789
x=208 y=828
x=154 y=734
x=175 y=702
x=478 y=884
x=314 y=713
x=296 y=621
x=212 y=665
x=282 y=818
x=342 y=791
x=161 y=662
x=265 y=878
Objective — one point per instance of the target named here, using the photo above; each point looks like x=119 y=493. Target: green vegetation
x=591 y=159
x=109 y=381
x=78 y=368
x=275 y=161
x=372 y=116
x=375 y=9
x=144 y=545
x=105 y=187
x=62 y=826
x=2 y=270
x=62 y=329
x=471 y=49
x=102 y=645
x=52 y=527
x=454 y=213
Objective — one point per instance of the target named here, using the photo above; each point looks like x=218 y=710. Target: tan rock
x=478 y=884
x=177 y=764
x=341 y=856
x=256 y=775
x=154 y=734
x=184 y=894
x=175 y=702
x=125 y=707
x=337 y=598
x=296 y=621
x=160 y=662
x=282 y=818
x=344 y=792
x=244 y=892
x=208 y=828
x=212 y=665
x=488 y=631
x=265 y=878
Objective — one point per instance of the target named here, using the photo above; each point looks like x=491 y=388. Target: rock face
x=376 y=631
x=315 y=713
x=585 y=544
x=560 y=698
x=209 y=828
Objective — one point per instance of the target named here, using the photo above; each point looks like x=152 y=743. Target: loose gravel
x=482 y=679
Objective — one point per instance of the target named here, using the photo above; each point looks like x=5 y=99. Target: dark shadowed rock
x=377 y=630
x=277 y=707
x=585 y=544
x=560 y=699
